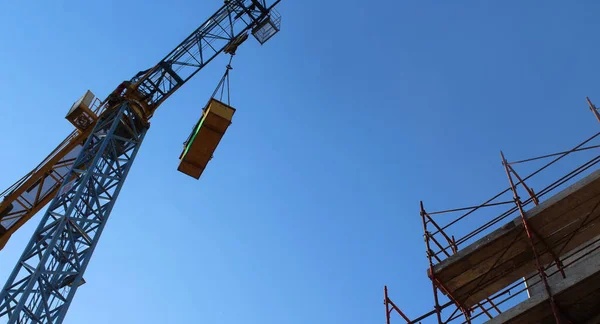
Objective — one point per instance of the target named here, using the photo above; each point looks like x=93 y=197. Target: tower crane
x=82 y=176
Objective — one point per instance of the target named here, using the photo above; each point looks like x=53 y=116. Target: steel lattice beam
x=51 y=268
x=234 y=19
x=85 y=178
x=231 y=21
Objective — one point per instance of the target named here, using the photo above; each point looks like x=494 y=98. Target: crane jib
x=224 y=28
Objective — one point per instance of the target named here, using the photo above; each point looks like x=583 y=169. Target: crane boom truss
x=31 y=193
x=44 y=281
x=42 y=285
x=202 y=46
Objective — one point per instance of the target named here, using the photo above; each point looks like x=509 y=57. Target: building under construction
x=522 y=256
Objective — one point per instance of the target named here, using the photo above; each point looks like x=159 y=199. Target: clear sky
x=346 y=119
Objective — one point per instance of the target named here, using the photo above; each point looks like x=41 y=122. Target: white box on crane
x=80 y=114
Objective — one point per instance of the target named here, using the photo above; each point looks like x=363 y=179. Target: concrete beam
x=503 y=256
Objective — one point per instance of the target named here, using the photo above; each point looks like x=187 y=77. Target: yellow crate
x=205 y=138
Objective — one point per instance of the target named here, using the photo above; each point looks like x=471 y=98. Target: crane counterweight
x=80 y=114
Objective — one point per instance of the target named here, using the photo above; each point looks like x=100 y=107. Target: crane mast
x=84 y=174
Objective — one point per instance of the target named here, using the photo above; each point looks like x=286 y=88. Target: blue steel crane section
x=228 y=26
x=42 y=285
x=84 y=189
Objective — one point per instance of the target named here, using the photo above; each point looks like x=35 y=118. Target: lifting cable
x=222 y=86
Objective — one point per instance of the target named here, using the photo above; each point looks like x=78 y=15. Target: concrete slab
x=504 y=256
x=577 y=296
x=588 y=254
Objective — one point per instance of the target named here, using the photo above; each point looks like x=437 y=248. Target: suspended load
x=206 y=135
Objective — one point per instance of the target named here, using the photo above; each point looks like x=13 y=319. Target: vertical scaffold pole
x=529 y=232
x=438 y=309
x=536 y=201
x=43 y=284
x=386 y=302
x=435 y=283
x=390 y=306
x=593 y=108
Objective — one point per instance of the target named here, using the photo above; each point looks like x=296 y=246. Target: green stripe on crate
x=195 y=131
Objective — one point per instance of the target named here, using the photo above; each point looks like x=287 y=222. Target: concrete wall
x=571 y=271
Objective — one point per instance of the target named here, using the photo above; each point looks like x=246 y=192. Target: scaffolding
x=526 y=264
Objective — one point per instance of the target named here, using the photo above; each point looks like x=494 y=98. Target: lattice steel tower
x=86 y=172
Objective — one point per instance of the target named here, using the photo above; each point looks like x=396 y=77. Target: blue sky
x=346 y=119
